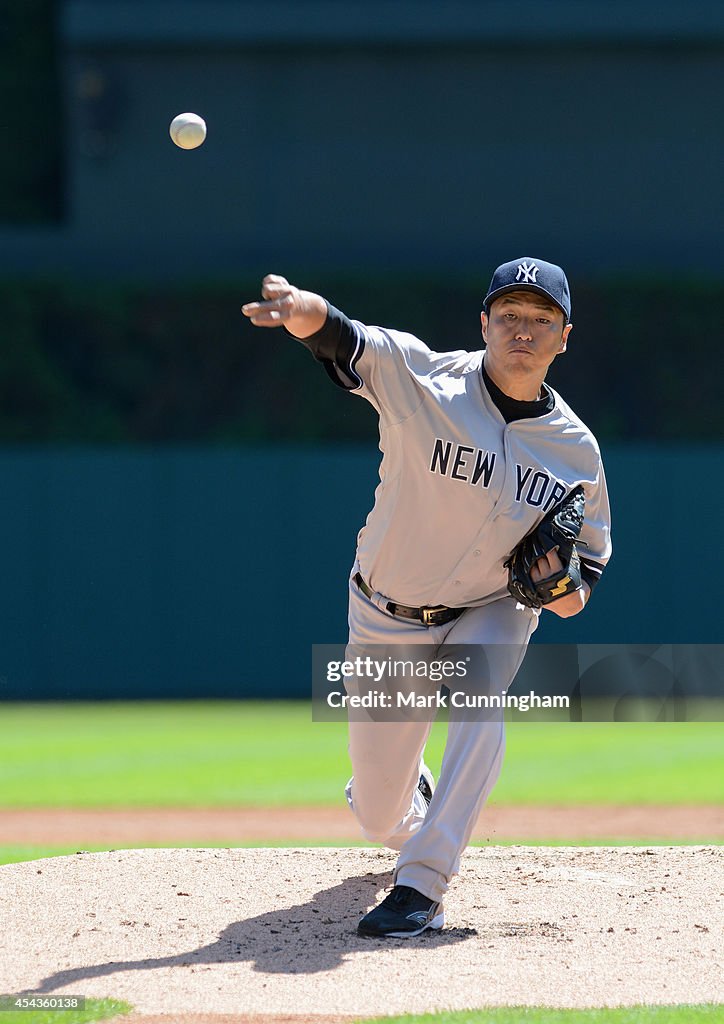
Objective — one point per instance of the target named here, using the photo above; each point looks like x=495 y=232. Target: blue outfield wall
x=207 y=572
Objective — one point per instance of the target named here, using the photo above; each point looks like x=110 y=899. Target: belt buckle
x=427 y=614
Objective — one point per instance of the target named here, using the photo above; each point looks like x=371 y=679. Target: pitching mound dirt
x=272 y=931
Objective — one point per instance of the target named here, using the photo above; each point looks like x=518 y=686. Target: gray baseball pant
x=387 y=756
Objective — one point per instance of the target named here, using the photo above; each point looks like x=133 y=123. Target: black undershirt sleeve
x=589 y=576
x=338 y=346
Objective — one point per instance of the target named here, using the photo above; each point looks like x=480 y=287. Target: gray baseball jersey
x=459 y=487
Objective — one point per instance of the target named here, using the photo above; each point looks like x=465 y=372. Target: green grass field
x=234 y=753
x=707 y=1014
x=95 y=1009
x=102 y=1009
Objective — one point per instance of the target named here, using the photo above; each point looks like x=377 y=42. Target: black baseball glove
x=559 y=528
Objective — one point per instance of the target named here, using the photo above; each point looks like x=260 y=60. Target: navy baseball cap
x=531 y=275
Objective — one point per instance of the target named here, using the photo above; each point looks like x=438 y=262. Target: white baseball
x=188 y=130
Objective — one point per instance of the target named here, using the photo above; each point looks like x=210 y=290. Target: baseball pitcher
x=491 y=508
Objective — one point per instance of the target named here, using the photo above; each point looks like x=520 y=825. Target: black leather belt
x=428 y=615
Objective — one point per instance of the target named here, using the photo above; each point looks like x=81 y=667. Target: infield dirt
x=58 y=826
x=271 y=932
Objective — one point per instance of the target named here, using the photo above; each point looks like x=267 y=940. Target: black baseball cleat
x=426 y=785
x=402 y=915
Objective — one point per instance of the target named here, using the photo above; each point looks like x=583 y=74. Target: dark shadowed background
x=181 y=492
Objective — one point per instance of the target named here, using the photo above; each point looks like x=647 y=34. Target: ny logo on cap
x=528 y=272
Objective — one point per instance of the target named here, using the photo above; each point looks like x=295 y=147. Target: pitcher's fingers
x=554 y=559
x=282 y=304
x=542 y=569
x=276 y=291
x=251 y=308
x=270 y=318
x=262 y=311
